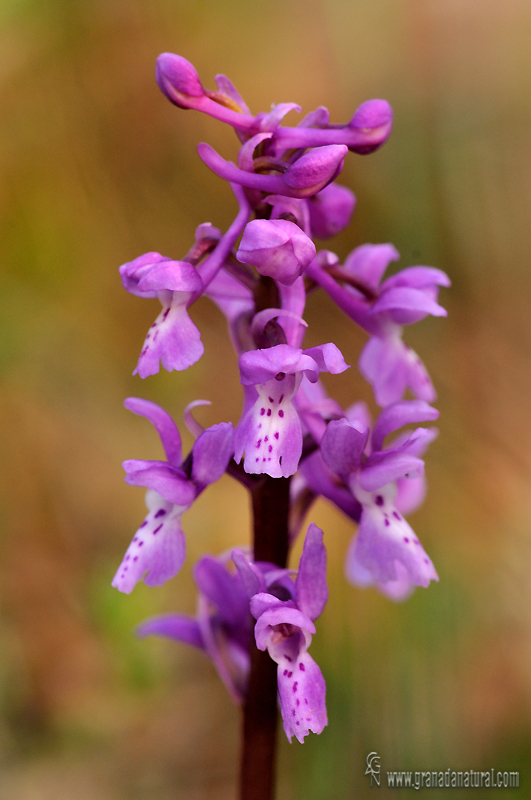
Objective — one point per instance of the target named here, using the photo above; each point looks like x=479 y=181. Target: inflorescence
x=284 y=184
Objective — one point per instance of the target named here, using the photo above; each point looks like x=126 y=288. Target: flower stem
x=270 y=503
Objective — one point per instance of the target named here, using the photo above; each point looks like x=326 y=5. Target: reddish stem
x=270 y=503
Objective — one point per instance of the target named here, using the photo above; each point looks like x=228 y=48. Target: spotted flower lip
x=158 y=549
x=269 y=433
x=384 y=539
x=173 y=340
x=285 y=629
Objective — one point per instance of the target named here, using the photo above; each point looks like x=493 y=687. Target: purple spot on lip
x=280 y=413
x=165 y=314
x=155 y=337
x=157 y=529
x=160 y=513
x=387 y=523
x=285 y=672
x=379 y=500
x=266 y=438
x=290 y=674
x=259 y=442
x=396 y=515
x=271 y=400
x=298 y=701
x=141 y=544
x=276 y=435
x=426 y=561
x=143 y=524
x=295 y=686
x=406 y=540
x=281 y=399
x=257 y=459
x=297 y=722
x=262 y=412
x=135 y=558
x=288 y=658
x=268 y=412
x=263 y=459
x=270 y=448
x=302 y=667
x=306 y=700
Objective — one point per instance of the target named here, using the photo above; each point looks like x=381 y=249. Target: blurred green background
x=97 y=168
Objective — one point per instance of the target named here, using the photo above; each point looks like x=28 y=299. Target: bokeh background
x=97 y=168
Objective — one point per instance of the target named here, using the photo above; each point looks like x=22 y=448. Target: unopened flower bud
x=331 y=210
x=374 y=120
x=277 y=248
x=178 y=79
x=316 y=168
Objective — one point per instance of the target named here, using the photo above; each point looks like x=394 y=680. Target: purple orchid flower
x=382 y=309
x=405 y=298
x=285 y=628
x=270 y=432
x=173 y=339
x=384 y=537
x=285 y=177
x=222 y=628
x=157 y=551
